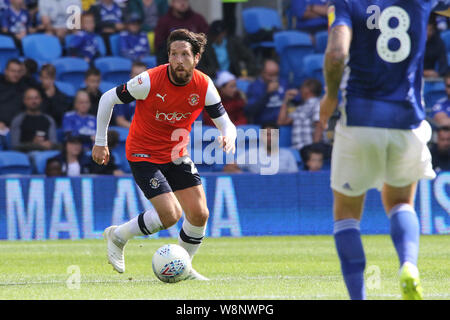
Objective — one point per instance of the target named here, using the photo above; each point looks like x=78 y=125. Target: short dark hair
x=49 y=69
x=13 y=60
x=92 y=72
x=197 y=40
x=314 y=85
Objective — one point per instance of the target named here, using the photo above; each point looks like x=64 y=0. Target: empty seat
x=71 y=70
x=42 y=47
x=8 y=50
x=14 y=162
x=114 y=69
x=66 y=88
x=39 y=159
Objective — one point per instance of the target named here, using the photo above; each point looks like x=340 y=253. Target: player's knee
x=170 y=216
x=200 y=217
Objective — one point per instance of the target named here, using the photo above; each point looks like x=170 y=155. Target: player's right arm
x=338 y=47
x=135 y=89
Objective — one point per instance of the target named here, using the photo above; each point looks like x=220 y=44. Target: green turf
x=296 y=267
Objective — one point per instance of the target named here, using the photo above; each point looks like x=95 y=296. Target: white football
x=171 y=263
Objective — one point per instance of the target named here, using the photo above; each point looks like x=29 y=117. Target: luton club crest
x=194 y=99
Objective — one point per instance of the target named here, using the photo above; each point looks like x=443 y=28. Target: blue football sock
x=405 y=232
x=351 y=254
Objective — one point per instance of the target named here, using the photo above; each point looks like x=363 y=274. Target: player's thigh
x=358 y=160
x=156 y=188
x=408 y=156
x=193 y=202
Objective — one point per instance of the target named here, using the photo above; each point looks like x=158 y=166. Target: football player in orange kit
x=168 y=98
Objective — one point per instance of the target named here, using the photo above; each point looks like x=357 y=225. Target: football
x=171 y=263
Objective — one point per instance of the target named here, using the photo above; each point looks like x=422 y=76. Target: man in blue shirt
x=16 y=21
x=377 y=49
x=265 y=95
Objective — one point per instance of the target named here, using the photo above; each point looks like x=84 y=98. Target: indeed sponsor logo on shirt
x=171 y=116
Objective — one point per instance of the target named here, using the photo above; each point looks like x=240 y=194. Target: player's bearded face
x=181 y=62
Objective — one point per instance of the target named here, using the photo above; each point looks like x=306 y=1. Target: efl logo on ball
x=171 y=263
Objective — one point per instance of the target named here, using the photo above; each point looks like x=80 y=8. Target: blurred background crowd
x=57 y=57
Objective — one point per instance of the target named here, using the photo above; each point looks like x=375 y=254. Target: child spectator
x=84 y=42
x=79 y=123
x=72 y=159
x=133 y=43
x=92 y=80
x=16 y=22
x=55 y=103
x=313 y=158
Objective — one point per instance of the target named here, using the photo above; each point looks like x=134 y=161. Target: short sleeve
x=139 y=86
x=212 y=95
x=339 y=13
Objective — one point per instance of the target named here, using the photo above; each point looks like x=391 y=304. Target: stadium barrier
x=35 y=207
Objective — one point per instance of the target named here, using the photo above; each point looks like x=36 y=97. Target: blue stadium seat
x=66 y=88
x=433 y=91
x=261 y=18
x=285 y=136
x=71 y=70
x=114 y=44
x=119 y=150
x=321 y=38
x=243 y=85
x=292 y=46
x=42 y=47
x=445 y=36
x=297 y=157
x=39 y=159
x=313 y=66
x=114 y=69
x=123 y=132
x=13 y=162
x=150 y=61
x=8 y=50
x=106 y=85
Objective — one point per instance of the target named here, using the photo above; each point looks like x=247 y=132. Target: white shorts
x=364 y=158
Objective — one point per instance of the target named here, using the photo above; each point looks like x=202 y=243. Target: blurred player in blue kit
x=375 y=56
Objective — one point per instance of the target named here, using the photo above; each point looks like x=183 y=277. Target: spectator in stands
x=32 y=129
x=92 y=81
x=180 y=15
x=123 y=113
x=149 y=11
x=233 y=100
x=55 y=103
x=53 y=168
x=313 y=157
x=72 y=159
x=272 y=161
x=35 y=18
x=314 y=16
x=435 y=61
x=108 y=20
x=441 y=110
x=55 y=14
x=306 y=128
x=84 y=43
x=225 y=53
x=16 y=22
x=133 y=43
x=265 y=95
x=12 y=86
x=111 y=168
x=79 y=123
x=440 y=151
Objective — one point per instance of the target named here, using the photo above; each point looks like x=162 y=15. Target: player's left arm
x=336 y=54
x=220 y=118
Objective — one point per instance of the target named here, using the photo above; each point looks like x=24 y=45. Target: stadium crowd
x=260 y=85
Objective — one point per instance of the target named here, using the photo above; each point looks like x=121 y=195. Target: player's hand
x=100 y=154
x=227 y=144
x=327 y=107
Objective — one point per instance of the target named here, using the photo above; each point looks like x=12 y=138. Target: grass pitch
x=295 y=267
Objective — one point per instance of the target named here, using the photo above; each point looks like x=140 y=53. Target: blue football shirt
x=382 y=82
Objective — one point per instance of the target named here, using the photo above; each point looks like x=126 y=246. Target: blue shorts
x=155 y=179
